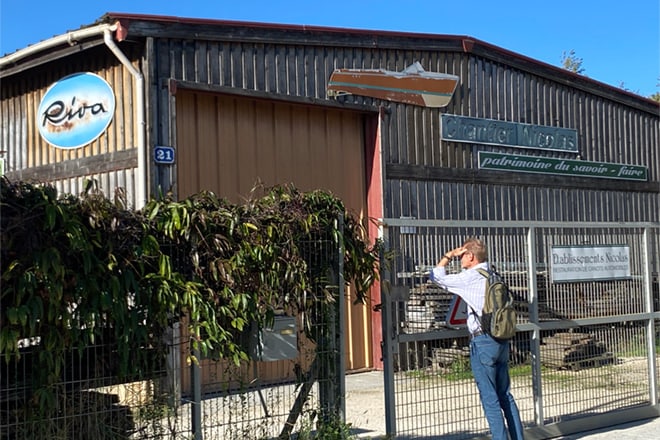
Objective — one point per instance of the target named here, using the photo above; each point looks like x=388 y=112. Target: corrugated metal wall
x=239 y=140
x=227 y=144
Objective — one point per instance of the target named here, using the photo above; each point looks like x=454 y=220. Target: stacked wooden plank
x=574 y=351
x=426 y=308
x=443 y=358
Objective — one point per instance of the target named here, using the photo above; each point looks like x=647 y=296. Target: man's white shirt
x=470 y=285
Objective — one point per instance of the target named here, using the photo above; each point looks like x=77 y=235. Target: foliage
x=84 y=270
x=327 y=428
x=64 y=277
x=459 y=370
x=656 y=96
x=570 y=61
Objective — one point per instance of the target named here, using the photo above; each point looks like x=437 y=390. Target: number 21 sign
x=164 y=155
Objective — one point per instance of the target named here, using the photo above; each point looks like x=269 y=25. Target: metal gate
x=587 y=349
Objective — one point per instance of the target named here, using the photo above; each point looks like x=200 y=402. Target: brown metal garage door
x=226 y=144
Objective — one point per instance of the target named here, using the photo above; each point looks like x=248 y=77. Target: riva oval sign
x=76 y=110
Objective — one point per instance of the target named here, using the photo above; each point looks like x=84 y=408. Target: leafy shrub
x=83 y=270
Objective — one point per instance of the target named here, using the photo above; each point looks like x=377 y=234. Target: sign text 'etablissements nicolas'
x=562 y=167
x=510 y=134
x=589 y=263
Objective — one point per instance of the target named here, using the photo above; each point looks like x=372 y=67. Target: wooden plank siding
x=297 y=62
x=111 y=159
x=448 y=176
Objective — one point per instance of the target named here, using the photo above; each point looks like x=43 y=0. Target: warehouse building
x=153 y=104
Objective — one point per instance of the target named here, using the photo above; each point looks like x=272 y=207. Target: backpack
x=498 y=318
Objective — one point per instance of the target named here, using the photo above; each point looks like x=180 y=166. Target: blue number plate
x=164 y=155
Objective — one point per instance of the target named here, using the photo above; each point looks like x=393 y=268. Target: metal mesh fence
x=438 y=397
x=296 y=380
x=594 y=369
x=89 y=401
x=584 y=347
x=299 y=384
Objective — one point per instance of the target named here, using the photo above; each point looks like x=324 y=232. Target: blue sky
x=618 y=42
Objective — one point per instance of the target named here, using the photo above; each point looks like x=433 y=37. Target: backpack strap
x=485 y=274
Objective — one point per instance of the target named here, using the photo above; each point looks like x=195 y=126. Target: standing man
x=489 y=358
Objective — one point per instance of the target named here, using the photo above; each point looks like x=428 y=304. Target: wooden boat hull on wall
x=411 y=86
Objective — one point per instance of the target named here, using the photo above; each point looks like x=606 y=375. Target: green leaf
x=23 y=313
x=154 y=211
x=12 y=315
x=51 y=211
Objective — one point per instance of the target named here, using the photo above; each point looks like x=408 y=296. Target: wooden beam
x=85 y=166
x=488 y=177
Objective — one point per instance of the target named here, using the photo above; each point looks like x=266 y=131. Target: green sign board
x=511 y=134
x=560 y=167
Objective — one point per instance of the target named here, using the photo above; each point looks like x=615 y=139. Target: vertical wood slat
x=487 y=89
x=23 y=144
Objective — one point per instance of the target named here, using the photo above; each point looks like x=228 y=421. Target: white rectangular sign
x=589 y=263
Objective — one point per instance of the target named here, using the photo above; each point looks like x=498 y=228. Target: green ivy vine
x=83 y=270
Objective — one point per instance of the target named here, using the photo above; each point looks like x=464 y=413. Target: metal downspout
x=140 y=194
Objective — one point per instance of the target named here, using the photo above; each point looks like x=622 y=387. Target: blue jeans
x=489 y=360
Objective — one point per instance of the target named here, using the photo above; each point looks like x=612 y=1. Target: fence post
x=535 y=346
x=649 y=308
x=196 y=407
x=388 y=340
x=341 y=306
x=172 y=383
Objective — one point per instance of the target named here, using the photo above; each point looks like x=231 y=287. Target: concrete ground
x=365 y=413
